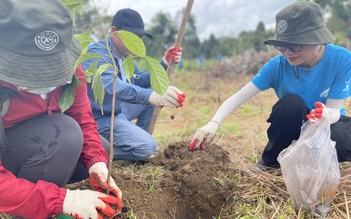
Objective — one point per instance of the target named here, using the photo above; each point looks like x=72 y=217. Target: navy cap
x=130 y=20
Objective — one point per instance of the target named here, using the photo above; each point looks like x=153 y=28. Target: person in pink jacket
x=48 y=137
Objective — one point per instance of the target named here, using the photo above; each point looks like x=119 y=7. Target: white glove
x=173 y=98
x=83 y=204
x=332 y=115
x=98 y=179
x=203 y=136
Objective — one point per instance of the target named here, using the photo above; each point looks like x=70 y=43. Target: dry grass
x=266 y=194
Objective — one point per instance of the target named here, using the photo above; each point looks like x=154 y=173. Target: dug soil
x=179 y=184
x=192 y=184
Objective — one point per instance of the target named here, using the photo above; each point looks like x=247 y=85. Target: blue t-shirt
x=330 y=78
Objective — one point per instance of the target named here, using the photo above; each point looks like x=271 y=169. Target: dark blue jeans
x=132 y=141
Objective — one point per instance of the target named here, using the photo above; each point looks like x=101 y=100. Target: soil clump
x=181 y=184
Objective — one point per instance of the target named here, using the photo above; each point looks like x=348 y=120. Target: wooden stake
x=177 y=44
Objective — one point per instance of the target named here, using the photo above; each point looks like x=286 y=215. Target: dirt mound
x=181 y=184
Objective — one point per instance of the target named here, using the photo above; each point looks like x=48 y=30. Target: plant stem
x=112 y=122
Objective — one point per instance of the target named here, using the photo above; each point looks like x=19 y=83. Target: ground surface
x=178 y=184
x=190 y=186
x=220 y=182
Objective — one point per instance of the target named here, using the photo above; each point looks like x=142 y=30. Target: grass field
x=242 y=134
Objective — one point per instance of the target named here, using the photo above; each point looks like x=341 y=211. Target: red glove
x=180 y=96
x=83 y=204
x=181 y=99
x=332 y=115
x=98 y=180
x=174 y=53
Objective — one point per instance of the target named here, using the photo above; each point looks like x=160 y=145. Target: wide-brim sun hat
x=301 y=23
x=37 y=48
x=130 y=20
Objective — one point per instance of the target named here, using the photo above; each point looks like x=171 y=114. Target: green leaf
x=85 y=57
x=158 y=75
x=103 y=68
x=63 y=216
x=128 y=67
x=84 y=39
x=88 y=75
x=74 y=6
x=133 y=43
x=68 y=96
x=91 y=70
x=98 y=90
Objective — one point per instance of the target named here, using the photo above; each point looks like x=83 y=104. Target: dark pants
x=46 y=148
x=286 y=119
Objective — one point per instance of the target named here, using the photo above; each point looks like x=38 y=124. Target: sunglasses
x=292 y=48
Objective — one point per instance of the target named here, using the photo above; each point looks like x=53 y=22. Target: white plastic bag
x=310 y=168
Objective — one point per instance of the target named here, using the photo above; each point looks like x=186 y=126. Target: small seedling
x=221 y=179
x=130 y=215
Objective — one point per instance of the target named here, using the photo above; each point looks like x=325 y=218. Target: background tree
x=94 y=17
x=164 y=31
x=210 y=47
x=259 y=37
x=339 y=22
x=227 y=46
x=191 y=41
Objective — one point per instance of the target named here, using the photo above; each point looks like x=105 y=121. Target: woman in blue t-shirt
x=310 y=77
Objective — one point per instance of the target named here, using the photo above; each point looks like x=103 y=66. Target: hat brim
x=318 y=36
x=33 y=71
x=138 y=31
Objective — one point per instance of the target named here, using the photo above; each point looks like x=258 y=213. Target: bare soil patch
x=193 y=185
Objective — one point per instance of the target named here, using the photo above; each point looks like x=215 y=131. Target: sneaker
x=265 y=167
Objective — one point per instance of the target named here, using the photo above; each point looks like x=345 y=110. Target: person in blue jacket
x=134 y=100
